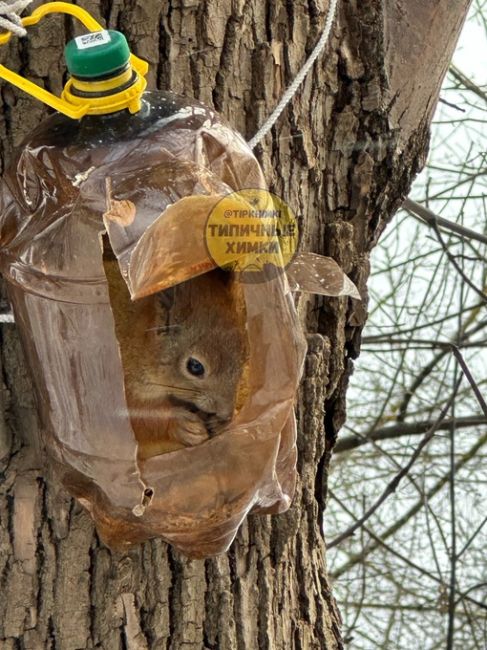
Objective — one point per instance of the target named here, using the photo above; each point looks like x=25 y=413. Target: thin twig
x=472 y=537
x=471 y=380
x=392 y=485
x=467 y=83
x=428 y=369
x=456 y=266
x=433 y=219
x=453 y=553
x=380 y=542
x=404 y=429
x=399 y=523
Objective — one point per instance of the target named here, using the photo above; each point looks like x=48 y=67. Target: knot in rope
x=10 y=16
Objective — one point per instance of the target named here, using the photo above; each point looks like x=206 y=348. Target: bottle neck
x=104 y=86
x=108 y=94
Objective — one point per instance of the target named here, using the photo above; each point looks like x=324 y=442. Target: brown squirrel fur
x=200 y=319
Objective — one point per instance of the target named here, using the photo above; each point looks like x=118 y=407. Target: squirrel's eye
x=195 y=367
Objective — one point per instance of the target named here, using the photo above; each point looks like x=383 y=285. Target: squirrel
x=183 y=353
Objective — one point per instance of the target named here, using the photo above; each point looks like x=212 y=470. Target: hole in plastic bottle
x=184 y=353
x=148 y=495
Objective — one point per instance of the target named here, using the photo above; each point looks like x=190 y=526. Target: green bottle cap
x=97 y=54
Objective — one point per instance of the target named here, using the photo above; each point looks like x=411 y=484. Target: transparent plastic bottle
x=103 y=211
x=135 y=176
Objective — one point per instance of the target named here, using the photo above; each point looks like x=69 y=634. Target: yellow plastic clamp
x=69 y=104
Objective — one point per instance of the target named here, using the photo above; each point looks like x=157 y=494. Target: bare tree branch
x=433 y=219
x=471 y=380
x=399 y=523
x=380 y=542
x=467 y=83
x=426 y=371
x=405 y=429
x=392 y=485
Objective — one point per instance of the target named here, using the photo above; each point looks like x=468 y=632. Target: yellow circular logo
x=252 y=232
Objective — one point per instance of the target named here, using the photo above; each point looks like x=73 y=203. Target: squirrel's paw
x=187 y=428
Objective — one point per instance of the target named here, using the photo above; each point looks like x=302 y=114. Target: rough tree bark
x=343 y=156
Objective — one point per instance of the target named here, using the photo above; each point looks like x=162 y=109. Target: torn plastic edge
x=183 y=225
x=147 y=491
x=305 y=273
x=319 y=269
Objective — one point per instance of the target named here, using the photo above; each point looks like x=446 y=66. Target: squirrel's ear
x=318 y=274
x=173 y=248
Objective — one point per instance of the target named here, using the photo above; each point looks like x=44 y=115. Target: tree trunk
x=343 y=156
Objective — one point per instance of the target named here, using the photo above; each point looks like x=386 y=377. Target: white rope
x=10 y=16
x=291 y=91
